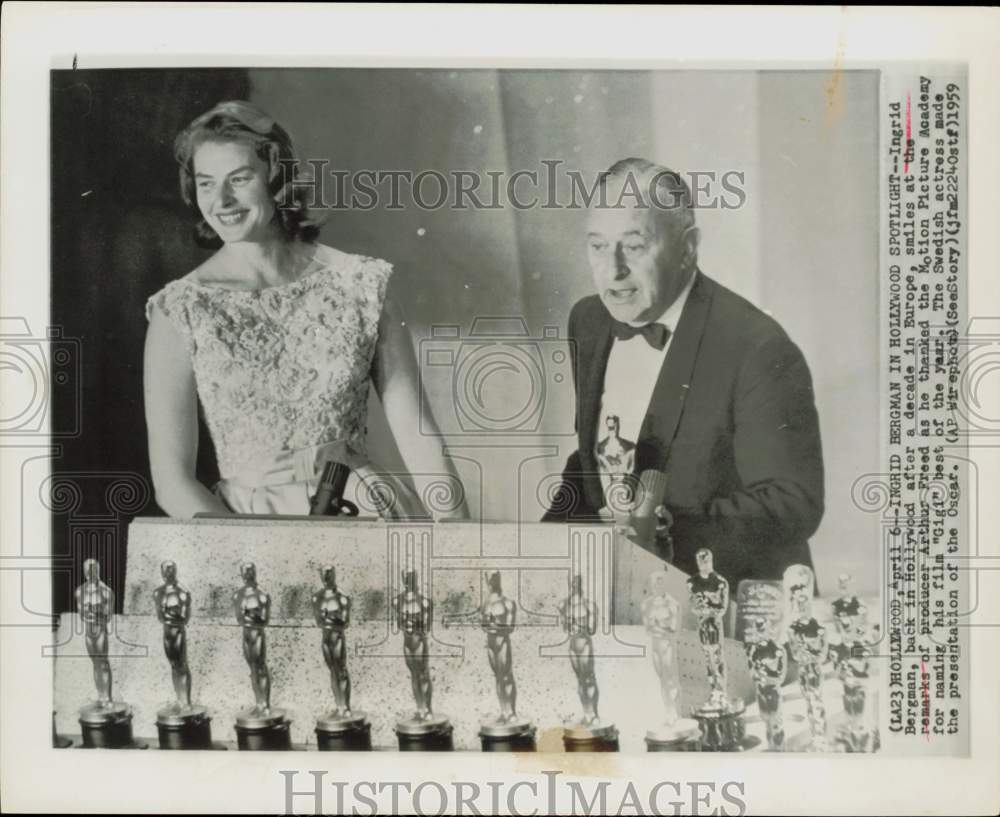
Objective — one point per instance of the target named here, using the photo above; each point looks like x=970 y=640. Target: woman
x=278 y=336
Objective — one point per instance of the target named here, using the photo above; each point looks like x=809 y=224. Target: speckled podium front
x=535 y=561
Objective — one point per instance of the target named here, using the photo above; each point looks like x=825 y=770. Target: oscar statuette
x=424 y=730
x=720 y=719
x=851 y=656
x=507 y=732
x=579 y=618
x=661 y=615
x=260 y=727
x=768 y=667
x=181 y=724
x=807 y=641
x=106 y=723
x=342 y=728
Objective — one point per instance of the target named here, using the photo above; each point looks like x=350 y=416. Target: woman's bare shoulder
x=214 y=271
x=334 y=258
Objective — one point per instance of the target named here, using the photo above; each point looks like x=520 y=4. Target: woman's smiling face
x=232 y=185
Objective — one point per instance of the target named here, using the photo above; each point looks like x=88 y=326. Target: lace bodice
x=285 y=367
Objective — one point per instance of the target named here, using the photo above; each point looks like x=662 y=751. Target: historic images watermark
x=517 y=797
x=549 y=186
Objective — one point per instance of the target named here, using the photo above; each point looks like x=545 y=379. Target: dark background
x=119 y=232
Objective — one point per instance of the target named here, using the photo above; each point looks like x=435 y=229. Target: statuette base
x=357 y=738
x=333 y=722
x=676 y=733
x=108 y=726
x=430 y=734
x=184 y=727
x=722 y=729
x=516 y=735
x=177 y=715
x=682 y=745
x=256 y=718
x=505 y=729
x=524 y=742
x=590 y=737
x=343 y=733
x=414 y=726
x=263 y=731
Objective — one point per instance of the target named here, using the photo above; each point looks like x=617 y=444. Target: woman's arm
x=395 y=376
x=172 y=422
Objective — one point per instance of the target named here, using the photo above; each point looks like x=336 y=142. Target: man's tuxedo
x=733 y=424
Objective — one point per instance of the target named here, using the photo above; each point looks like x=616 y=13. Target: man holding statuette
x=677 y=373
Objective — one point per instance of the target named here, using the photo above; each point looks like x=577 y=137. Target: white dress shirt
x=631 y=374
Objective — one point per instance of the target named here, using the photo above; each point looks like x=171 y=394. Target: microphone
x=329 y=497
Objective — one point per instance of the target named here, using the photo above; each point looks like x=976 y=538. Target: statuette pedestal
x=108 y=726
x=344 y=733
x=517 y=735
x=595 y=737
x=184 y=727
x=257 y=732
x=430 y=734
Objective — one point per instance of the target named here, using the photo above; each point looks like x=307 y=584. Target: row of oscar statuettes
x=716 y=725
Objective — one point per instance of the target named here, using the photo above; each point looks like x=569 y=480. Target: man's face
x=635 y=265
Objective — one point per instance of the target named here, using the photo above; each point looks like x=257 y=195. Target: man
x=709 y=389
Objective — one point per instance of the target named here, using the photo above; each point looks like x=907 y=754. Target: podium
x=536 y=562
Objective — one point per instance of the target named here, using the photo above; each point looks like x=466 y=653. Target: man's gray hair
x=656 y=187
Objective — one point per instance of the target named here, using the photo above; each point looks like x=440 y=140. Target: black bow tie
x=655 y=334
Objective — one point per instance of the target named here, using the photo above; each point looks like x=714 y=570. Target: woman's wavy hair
x=238 y=121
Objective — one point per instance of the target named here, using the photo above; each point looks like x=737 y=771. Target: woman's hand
x=397 y=384
x=172 y=422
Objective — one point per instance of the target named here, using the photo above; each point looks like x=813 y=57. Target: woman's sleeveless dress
x=283 y=376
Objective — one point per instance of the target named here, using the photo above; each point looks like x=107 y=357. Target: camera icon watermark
x=34 y=370
x=498 y=379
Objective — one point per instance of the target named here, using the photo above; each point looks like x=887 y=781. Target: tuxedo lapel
x=670 y=392
x=591 y=388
